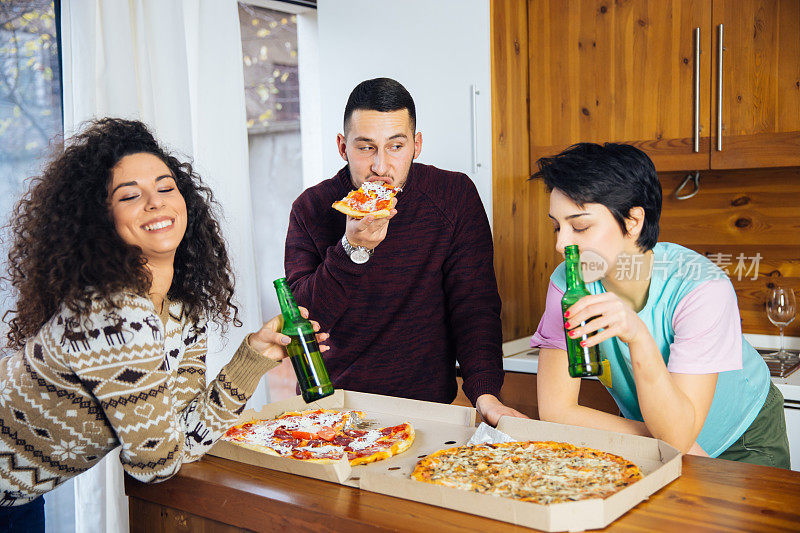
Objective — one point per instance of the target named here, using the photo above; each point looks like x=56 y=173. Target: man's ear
x=417 y=144
x=341 y=145
x=634 y=223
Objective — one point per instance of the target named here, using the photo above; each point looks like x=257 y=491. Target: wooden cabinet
x=620 y=71
x=645 y=72
x=760 y=65
x=623 y=70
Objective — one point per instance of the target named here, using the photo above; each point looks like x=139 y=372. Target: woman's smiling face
x=146 y=207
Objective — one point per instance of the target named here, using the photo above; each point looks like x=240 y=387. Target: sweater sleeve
x=473 y=303
x=122 y=364
x=318 y=278
x=206 y=412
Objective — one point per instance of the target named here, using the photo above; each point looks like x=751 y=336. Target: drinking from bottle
x=583 y=361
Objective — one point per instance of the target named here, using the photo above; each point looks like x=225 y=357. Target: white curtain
x=176 y=65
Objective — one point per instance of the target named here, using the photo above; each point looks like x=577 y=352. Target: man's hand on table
x=491 y=409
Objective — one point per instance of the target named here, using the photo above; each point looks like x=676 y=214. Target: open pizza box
x=659 y=462
x=436 y=426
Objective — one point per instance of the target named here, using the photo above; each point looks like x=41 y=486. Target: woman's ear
x=635 y=222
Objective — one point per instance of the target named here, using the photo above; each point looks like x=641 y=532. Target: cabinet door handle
x=719 y=91
x=697 y=89
x=475 y=162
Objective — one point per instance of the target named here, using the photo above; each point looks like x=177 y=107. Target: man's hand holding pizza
x=369 y=232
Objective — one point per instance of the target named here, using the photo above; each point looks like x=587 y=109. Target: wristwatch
x=358 y=254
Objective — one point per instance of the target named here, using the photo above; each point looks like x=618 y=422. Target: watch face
x=359 y=256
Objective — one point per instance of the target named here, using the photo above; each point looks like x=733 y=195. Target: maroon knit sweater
x=426 y=299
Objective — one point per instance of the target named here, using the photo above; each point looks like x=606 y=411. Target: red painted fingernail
x=583 y=343
x=566 y=315
x=566 y=325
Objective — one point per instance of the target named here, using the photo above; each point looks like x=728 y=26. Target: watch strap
x=349 y=248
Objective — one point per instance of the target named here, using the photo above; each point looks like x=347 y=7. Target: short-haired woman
x=665 y=318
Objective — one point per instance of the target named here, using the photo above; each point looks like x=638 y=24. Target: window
x=30 y=92
x=30 y=118
x=269 y=53
x=272 y=97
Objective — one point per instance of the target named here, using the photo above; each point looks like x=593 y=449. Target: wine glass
x=781 y=309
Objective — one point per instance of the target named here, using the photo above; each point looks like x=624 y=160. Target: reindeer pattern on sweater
x=120 y=376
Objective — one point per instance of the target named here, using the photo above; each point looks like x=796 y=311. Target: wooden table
x=216 y=494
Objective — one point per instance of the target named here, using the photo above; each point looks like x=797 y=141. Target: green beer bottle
x=582 y=361
x=304 y=349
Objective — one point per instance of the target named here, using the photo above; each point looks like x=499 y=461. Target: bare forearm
x=666 y=410
x=578 y=415
x=588 y=417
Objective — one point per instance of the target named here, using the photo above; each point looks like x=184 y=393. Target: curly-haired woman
x=118 y=265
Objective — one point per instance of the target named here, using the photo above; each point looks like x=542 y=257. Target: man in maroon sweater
x=403 y=297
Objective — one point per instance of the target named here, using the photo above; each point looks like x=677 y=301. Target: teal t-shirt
x=740 y=393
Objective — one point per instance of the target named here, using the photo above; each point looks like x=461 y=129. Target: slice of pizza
x=372 y=198
x=321 y=436
x=378 y=444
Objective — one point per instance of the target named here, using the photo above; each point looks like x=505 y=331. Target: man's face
x=379 y=146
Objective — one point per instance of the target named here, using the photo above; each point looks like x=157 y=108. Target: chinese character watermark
x=694 y=267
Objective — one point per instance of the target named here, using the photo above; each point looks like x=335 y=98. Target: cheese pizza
x=322 y=436
x=534 y=471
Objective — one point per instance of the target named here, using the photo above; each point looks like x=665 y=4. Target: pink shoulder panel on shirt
x=550 y=333
x=708 y=331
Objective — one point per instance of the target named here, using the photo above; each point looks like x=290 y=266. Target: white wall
x=437 y=49
x=310 y=97
x=275 y=182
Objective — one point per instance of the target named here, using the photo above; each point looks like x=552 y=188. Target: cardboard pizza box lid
x=660 y=464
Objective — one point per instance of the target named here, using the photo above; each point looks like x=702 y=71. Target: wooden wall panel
x=517 y=208
x=745 y=213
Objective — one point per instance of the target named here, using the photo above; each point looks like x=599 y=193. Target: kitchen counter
x=215 y=494
x=518 y=356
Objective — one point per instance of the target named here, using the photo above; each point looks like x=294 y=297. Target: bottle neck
x=574 y=273
x=289 y=308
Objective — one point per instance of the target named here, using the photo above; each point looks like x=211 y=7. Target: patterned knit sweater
x=126 y=376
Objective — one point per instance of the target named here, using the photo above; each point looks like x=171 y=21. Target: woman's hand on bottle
x=270 y=342
x=604 y=311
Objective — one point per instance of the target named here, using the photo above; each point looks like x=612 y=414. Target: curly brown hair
x=65 y=249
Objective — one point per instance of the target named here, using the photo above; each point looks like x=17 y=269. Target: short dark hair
x=618 y=176
x=380 y=94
